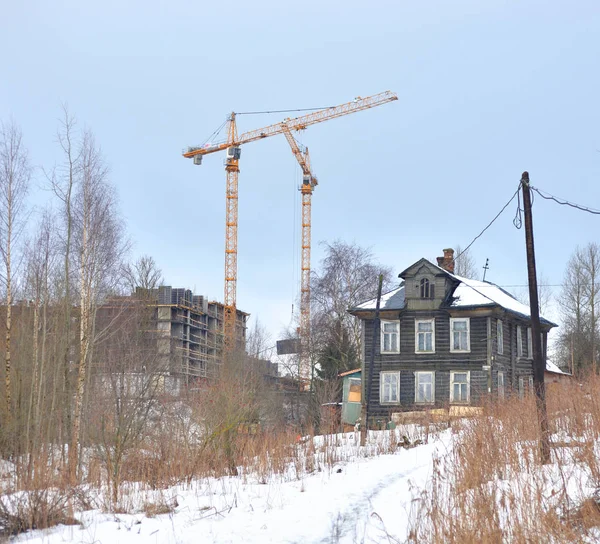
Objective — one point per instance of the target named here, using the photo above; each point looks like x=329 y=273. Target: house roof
x=467 y=294
x=551 y=367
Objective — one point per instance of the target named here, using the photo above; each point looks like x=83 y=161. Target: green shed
x=351 y=398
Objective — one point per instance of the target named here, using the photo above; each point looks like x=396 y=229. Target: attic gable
x=420 y=268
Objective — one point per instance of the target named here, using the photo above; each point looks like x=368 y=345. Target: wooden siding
x=443 y=361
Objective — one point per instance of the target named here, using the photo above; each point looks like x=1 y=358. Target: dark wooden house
x=446 y=341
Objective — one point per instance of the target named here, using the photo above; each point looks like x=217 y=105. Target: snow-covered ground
x=362 y=499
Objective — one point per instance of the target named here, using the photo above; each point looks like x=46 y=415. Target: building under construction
x=190 y=331
x=184 y=331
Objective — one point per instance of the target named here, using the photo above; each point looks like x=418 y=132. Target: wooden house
x=446 y=341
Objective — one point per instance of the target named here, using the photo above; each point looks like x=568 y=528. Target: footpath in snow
x=362 y=500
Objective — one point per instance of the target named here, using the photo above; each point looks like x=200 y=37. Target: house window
x=531 y=384
x=389 y=387
x=354 y=391
x=427 y=288
x=460 y=334
x=390 y=337
x=425 y=336
x=501 y=392
x=521 y=387
x=529 y=344
x=459 y=386
x=424 y=387
x=519 y=342
x=499 y=337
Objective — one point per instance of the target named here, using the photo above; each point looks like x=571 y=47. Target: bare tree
x=100 y=248
x=347 y=276
x=40 y=258
x=579 y=305
x=143 y=273
x=126 y=382
x=63 y=180
x=590 y=263
x=15 y=175
x=464 y=264
x=258 y=343
x=545 y=294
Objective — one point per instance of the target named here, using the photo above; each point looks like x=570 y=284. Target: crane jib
x=297 y=123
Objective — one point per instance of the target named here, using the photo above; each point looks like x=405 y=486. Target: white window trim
x=432 y=321
x=381 y=374
x=519 y=341
x=529 y=343
x=468 y=373
x=521 y=387
x=500 y=337
x=381 y=333
x=432 y=401
x=452 y=321
x=501 y=392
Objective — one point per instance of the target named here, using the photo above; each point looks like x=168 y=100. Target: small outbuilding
x=351 y=398
x=553 y=374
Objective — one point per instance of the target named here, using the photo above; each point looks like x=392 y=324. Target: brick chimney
x=447 y=261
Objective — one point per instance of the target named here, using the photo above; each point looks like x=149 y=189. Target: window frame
x=395 y=373
x=382 y=334
x=350 y=380
x=417 y=374
x=501 y=391
x=468 y=383
x=426 y=289
x=521 y=387
x=529 y=343
x=454 y=320
x=519 y=341
x=499 y=337
x=432 y=321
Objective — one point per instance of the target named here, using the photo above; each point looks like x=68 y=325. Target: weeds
x=491 y=487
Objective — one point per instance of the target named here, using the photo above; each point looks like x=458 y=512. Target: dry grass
x=491 y=486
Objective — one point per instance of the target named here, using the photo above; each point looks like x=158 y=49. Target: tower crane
x=232 y=146
x=309 y=182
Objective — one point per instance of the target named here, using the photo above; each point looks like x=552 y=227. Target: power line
x=564 y=202
x=490 y=223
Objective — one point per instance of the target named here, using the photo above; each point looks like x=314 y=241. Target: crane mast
x=309 y=182
x=232 y=146
x=231 y=231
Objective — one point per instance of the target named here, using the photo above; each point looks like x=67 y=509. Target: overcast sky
x=486 y=90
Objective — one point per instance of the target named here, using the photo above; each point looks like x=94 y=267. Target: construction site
x=184 y=330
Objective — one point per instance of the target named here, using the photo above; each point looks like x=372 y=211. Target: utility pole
x=368 y=378
x=538 y=359
x=486 y=268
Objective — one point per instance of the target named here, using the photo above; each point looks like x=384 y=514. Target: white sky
x=486 y=90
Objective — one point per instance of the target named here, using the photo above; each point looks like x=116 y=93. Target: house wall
x=483 y=351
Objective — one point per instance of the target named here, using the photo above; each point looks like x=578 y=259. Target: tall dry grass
x=491 y=487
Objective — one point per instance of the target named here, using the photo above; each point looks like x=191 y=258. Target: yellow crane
x=309 y=182
x=233 y=149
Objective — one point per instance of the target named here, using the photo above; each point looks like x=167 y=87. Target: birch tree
x=40 y=260
x=100 y=248
x=15 y=174
x=63 y=180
